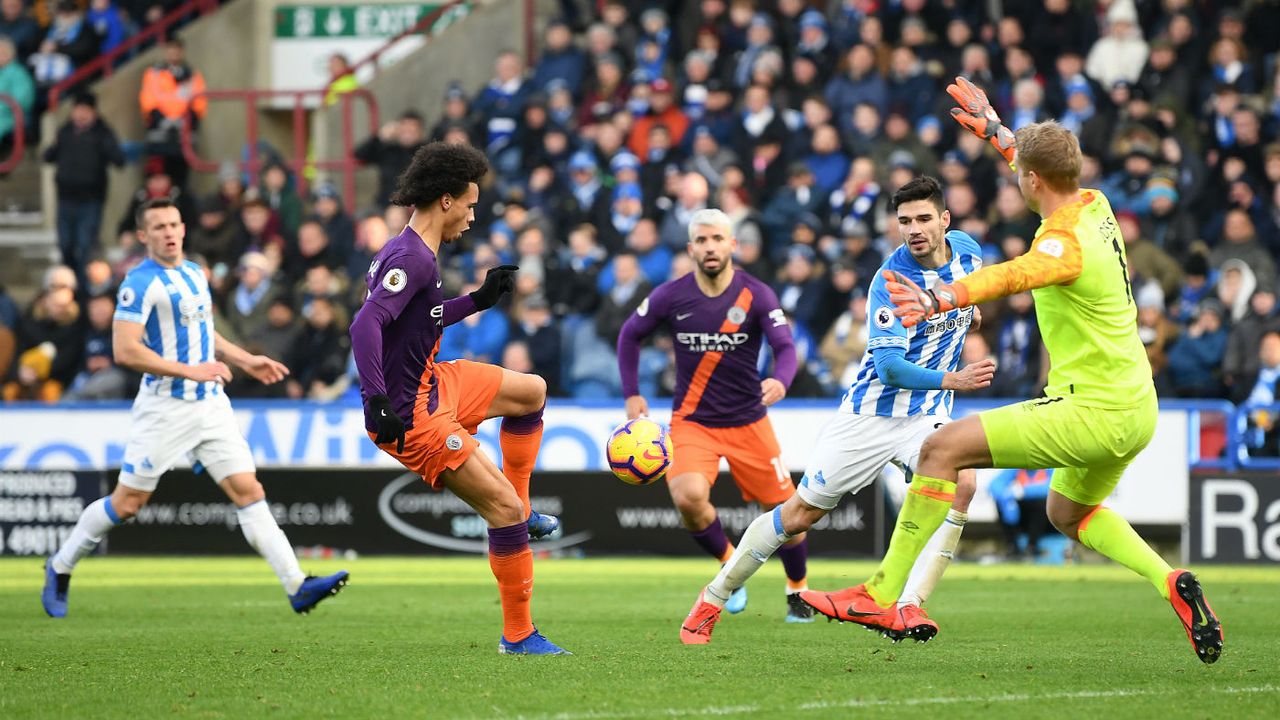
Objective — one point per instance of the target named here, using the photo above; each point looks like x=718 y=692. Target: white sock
x=95 y=522
x=262 y=532
x=933 y=560
x=763 y=538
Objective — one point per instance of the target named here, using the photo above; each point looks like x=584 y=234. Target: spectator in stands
x=248 y=304
x=860 y=83
x=391 y=150
x=82 y=150
x=1017 y=349
x=50 y=341
x=109 y=23
x=338 y=225
x=1195 y=360
x=846 y=341
x=318 y=363
x=99 y=378
x=1240 y=361
x=15 y=82
x=500 y=105
x=560 y=60
x=157 y=183
x=572 y=289
x=1166 y=223
x=1240 y=241
x=1122 y=53
x=276 y=188
x=802 y=290
x=72 y=34
x=535 y=328
x=167 y=100
x=829 y=164
x=618 y=302
x=781 y=214
x=342 y=79
x=17 y=25
x=372 y=232
x=1145 y=259
x=1236 y=283
x=692 y=196
x=213 y=234
x=479 y=336
x=1155 y=330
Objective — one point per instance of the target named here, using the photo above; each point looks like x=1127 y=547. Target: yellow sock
x=926 y=506
x=1108 y=533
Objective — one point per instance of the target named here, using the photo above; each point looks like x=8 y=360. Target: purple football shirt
x=717 y=345
x=396 y=333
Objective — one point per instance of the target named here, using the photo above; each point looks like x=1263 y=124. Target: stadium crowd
x=798 y=118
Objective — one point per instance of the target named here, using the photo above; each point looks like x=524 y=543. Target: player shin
x=395 y=337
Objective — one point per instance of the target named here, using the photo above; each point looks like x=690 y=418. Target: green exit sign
x=355 y=21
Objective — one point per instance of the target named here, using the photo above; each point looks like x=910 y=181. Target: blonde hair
x=710 y=217
x=1052 y=152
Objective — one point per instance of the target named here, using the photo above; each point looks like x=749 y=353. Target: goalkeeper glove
x=497 y=282
x=976 y=114
x=914 y=305
x=390 y=426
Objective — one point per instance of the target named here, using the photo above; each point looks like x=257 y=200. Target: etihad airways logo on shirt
x=711 y=342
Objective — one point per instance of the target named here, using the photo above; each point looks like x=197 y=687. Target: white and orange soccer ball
x=639 y=451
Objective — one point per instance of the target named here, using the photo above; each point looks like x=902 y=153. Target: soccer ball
x=639 y=451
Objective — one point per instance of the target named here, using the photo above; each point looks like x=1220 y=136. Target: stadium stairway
x=27 y=245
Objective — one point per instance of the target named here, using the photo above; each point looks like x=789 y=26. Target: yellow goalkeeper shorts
x=1089 y=446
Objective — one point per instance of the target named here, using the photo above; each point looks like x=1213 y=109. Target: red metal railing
x=346 y=164
x=19 y=135
x=105 y=63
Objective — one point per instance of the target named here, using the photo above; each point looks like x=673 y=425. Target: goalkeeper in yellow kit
x=1099 y=409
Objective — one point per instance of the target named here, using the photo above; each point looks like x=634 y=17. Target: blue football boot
x=54 y=595
x=535 y=644
x=541 y=526
x=314 y=589
x=737 y=601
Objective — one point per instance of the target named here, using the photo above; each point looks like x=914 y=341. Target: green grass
x=416 y=637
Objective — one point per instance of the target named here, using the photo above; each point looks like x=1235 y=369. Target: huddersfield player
x=164 y=328
x=902 y=394
x=718 y=315
x=1099 y=409
x=425 y=414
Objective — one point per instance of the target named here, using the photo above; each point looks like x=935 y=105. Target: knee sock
x=795 y=561
x=1105 y=531
x=512 y=565
x=934 y=560
x=927 y=503
x=762 y=538
x=264 y=535
x=95 y=521
x=713 y=540
x=520 y=439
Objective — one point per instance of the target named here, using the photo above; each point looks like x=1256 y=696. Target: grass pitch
x=416 y=637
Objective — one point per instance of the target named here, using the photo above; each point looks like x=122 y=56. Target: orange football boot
x=1202 y=626
x=857 y=606
x=697 y=626
x=917 y=625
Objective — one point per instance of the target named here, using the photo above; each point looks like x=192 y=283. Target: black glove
x=497 y=282
x=390 y=426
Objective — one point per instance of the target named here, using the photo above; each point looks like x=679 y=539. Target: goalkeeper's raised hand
x=977 y=115
x=914 y=305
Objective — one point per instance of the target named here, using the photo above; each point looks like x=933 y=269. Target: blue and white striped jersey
x=176 y=311
x=934 y=345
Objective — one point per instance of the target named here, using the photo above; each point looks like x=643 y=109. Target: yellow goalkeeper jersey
x=1078 y=274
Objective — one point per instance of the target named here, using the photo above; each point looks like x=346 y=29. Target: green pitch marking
x=416 y=637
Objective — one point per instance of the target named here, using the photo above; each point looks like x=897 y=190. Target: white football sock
x=95 y=522
x=934 y=559
x=262 y=532
x=762 y=539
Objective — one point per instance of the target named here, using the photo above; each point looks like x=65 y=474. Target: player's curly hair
x=921 y=187
x=438 y=169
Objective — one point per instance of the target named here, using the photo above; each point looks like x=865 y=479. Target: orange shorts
x=755 y=459
x=443 y=440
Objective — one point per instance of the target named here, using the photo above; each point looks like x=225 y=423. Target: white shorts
x=853 y=449
x=167 y=430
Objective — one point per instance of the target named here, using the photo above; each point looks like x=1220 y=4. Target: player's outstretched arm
x=978 y=117
x=260 y=367
x=785 y=361
x=128 y=350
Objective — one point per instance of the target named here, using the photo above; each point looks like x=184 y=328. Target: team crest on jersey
x=126 y=296
x=644 y=308
x=453 y=442
x=736 y=315
x=884 y=318
x=395 y=280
